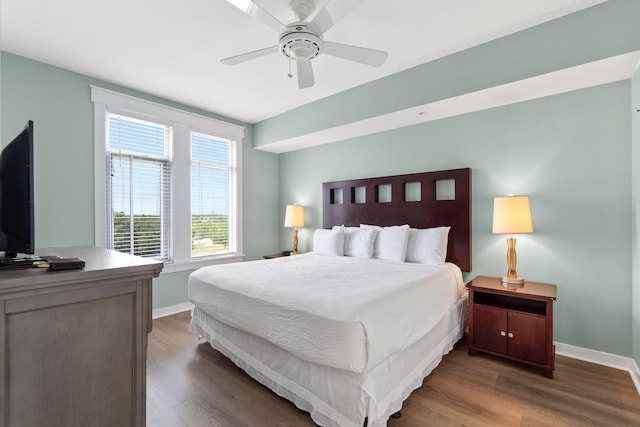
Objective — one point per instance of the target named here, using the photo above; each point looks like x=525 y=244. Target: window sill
x=174 y=267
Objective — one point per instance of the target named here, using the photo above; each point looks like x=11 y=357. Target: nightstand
x=513 y=323
x=279 y=255
x=272 y=256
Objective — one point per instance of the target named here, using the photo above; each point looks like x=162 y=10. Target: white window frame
x=183 y=123
x=229 y=167
x=165 y=205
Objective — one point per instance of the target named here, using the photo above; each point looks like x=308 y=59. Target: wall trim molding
x=603 y=71
x=172 y=309
x=635 y=376
x=601 y=358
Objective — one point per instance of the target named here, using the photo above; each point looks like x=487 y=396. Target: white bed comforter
x=343 y=312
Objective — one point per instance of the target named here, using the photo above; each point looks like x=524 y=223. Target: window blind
x=139 y=186
x=212 y=215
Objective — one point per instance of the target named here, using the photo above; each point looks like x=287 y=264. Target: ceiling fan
x=302 y=40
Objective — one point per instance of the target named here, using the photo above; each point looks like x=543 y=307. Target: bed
x=348 y=338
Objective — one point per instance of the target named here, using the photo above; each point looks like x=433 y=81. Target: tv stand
x=73 y=343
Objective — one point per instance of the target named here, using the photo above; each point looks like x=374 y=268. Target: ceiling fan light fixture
x=298 y=42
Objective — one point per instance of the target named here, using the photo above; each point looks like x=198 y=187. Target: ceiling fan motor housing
x=300 y=42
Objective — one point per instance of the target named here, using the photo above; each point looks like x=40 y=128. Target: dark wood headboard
x=356 y=202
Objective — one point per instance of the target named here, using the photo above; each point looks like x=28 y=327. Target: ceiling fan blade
x=362 y=55
x=238 y=59
x=252 y=8
x=332 y=12
x=305 y=74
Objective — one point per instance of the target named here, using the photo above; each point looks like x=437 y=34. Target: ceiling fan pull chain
x=289 y=75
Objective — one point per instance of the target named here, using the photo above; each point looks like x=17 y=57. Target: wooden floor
x=190 y=384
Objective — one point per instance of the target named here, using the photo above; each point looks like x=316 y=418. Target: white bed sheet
x=342 y=312
x=335 y=397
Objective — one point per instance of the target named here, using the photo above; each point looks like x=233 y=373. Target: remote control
x=66 y=264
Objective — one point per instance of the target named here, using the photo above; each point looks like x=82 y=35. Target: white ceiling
x=172 y=48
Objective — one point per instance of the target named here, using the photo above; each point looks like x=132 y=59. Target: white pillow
x=390 y=242
x=428 y=246
x=358 y=242
x=329 y=242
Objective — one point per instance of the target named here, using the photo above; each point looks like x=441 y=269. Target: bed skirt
x=335 y=397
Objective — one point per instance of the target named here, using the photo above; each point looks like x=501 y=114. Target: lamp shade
x=294 y=216
x=512 y=215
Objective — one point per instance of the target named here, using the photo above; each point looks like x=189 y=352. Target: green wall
x=571 y=153
x=59 y=103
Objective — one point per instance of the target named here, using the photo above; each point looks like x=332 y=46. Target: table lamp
x=512 y=215
x=294 y=217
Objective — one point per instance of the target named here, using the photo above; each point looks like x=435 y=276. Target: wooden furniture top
x=100 y=263
x=530 y=289
x=424 y=213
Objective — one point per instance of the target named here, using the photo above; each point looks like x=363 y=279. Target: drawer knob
x=503 y=333
x=510 y=334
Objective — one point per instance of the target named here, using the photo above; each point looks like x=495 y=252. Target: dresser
x=73 y=343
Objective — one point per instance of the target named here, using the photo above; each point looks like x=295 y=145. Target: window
x=138 y=187
x=167 y=182
x=212 y=171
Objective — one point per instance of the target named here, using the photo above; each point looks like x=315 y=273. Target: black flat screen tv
x=16 y=175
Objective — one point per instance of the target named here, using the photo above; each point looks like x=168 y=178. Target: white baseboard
x=172 y=309
x=601 y=358
x=580 y=353
x=635 y=376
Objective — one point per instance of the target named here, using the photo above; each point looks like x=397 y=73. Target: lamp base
x=512 y=281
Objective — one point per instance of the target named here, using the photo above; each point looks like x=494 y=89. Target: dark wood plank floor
x=190 y=384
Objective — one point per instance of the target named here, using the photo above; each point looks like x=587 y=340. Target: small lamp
x=294 y=217
x=511 y=215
